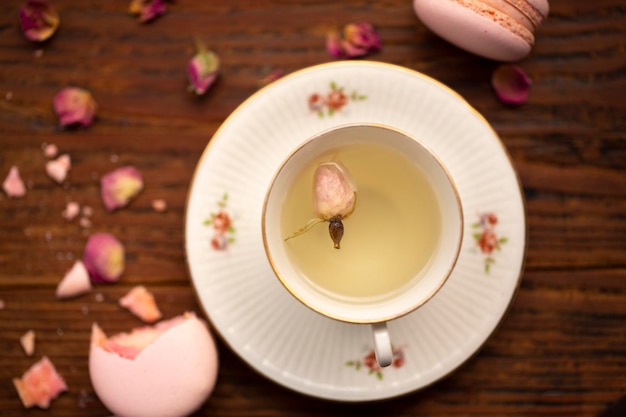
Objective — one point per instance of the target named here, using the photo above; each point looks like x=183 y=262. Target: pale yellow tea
x=388 y=239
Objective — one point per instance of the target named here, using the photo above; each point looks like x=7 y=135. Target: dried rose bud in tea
x=39 y=20
x=334 y=199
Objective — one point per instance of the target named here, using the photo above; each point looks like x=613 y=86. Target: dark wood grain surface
x=560 y=350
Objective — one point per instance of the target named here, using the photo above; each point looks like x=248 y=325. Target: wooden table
x=560 y=350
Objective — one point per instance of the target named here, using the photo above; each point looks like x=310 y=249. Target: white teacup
x=400 y=243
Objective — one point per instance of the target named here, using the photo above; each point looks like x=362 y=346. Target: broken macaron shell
x=40 y=384
x=13 y=185
x=141 y=303
x=168 y=369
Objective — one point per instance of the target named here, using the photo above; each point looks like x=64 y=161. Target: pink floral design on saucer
x=333 y=101
x=369 y=362
x=486 y=237
x=221 y=221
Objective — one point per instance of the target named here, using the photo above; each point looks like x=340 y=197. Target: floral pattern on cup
x=486 y=237
x=221 y=222
x=369 y=362
x=327 y=104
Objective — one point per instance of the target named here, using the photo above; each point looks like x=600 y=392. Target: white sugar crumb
x=84 y=222
x=72 y=209
x=159 y=205
x=50 y=150
x=87 y=211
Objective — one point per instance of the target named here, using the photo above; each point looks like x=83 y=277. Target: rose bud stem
x=335 y=229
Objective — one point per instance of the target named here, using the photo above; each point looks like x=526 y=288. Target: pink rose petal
x=13 y=185
x=333 y=44
x=39 y=20
x=28 y=342
x=40 y=384
x=119 y=187
x=75 y=282
x=57 y=169
x=358 y=39
x=511 y=84
x=104 y=258
x=75 y=106
x=363 y=36
x=147 y=10
x=141 y=303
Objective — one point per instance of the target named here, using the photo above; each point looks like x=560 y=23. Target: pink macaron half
x=502 y=30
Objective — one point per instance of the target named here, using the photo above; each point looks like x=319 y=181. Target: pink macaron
x=502 y=30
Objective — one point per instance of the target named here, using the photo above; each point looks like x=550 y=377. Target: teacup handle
x=382 y=344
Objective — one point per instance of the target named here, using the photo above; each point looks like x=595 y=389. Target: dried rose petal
x=104 y=258
x=333 y=44
x=40 y=384
x=28 y=342
x=75 y=106
x=362 y=38
x=39 y=20
x=334 y=192
x=147 y=10
x=57 y=169
x=120 y=186
x=202 y=70
x=271 y=77
x=13 y=184
x=141 y=303
x=75 y=282
x=511 y=84
x=358 y=39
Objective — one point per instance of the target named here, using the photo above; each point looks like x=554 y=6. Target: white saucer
x=256 y=316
